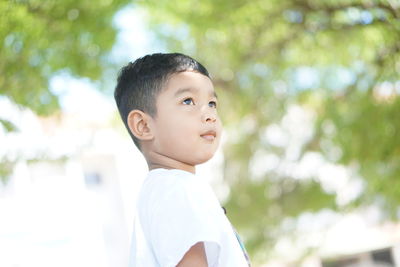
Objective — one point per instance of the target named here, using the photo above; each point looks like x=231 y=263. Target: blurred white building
x=70 y=199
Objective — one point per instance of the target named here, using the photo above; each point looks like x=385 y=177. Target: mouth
x=209 y=136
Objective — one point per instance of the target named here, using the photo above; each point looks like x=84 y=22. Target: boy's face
x=187 y=128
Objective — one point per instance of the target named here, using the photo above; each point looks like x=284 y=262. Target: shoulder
x=161 y=184
x=192 y=188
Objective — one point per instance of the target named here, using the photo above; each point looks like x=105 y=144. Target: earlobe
x=138 y=123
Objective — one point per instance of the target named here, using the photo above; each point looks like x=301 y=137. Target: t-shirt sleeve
x=185 y=214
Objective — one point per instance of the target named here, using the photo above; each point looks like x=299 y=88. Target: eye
x=188 y=101
x=212 y=104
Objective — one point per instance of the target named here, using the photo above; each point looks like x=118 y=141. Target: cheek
x=177 y=132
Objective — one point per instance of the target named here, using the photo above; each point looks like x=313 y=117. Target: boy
x=169 y=106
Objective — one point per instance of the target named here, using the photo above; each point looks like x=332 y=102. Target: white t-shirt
x=176 y=210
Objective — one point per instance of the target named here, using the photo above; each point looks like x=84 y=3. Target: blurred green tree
x=339 y=59
x=42 y=37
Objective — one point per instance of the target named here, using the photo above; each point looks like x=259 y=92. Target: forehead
x=188 y=81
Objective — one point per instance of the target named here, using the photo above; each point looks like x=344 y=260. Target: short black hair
x=140 y=82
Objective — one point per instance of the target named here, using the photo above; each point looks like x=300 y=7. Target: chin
x=197 y=158
x=204 y=159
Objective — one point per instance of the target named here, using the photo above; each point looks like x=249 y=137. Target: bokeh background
x=309 y=168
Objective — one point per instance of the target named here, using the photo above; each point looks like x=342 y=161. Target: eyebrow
x=192 y=90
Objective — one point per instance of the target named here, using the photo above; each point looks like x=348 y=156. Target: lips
x=209 y=135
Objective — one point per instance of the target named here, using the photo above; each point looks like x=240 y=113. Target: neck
x=155 y=161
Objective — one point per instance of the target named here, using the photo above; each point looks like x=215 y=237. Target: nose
x=209 y=114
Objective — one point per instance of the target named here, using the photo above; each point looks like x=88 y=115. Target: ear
x=138 y=123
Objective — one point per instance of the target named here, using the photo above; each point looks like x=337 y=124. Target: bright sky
x=133 y=41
